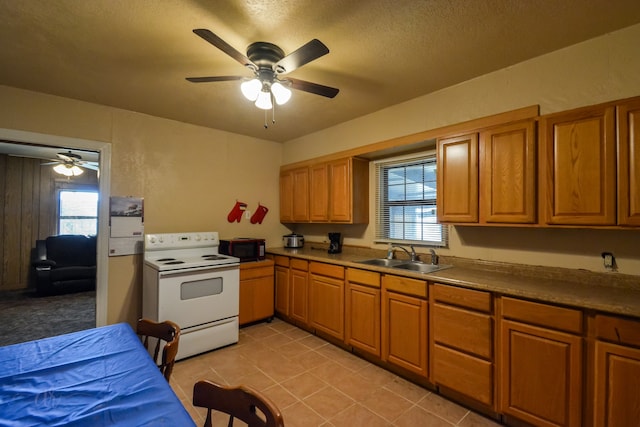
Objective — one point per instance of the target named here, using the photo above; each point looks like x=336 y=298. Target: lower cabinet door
x=405 y=332
x=363 y=318
x=299 y=301
x=256 y=299
x=326 y=299
x=617 y=383
x=282 y=290
x=541 y=371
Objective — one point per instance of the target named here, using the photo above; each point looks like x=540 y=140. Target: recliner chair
x=64 y=264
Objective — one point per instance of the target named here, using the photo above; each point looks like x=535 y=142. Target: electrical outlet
x=609 y=260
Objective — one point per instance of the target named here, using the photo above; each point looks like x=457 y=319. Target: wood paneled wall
x=27 y=213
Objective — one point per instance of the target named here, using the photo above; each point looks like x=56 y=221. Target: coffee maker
x=335 y=243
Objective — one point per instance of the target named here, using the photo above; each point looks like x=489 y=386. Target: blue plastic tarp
x=98 y=377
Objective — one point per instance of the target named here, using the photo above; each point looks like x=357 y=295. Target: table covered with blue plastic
x=98 y=377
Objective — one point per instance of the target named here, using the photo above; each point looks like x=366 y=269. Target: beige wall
x=190 y=176
x=603 y=69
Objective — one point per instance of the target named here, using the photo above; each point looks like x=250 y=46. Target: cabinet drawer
x=561 y=318
x=253 y=273
x=464 y=330
x=618 y=330
x=463 y=373
x=299 y=264
x=468 y=298
x=405 y=285
x=364 y=277
x=281 y=260
x=328 y=270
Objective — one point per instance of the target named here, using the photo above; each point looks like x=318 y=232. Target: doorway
x=104 y=151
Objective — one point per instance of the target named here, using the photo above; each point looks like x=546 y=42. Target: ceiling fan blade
x=303 y=55
x=329 y=92
x=88 y=165
x=224 y=46
x=213 y=79
x=65 y=157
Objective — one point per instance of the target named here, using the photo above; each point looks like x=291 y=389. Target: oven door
x=192 y=298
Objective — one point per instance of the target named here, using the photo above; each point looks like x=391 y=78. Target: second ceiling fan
x=268 y=62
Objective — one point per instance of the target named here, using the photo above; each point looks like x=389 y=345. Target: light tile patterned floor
x=315 y=383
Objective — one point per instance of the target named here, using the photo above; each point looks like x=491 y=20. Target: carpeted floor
x=24 y=317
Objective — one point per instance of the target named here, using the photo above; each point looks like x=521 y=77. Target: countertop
x=606 y=292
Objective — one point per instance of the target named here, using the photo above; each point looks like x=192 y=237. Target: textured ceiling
x=135 y=54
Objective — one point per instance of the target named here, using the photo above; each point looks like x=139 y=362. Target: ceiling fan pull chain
x=266 y=126
x=273 y=112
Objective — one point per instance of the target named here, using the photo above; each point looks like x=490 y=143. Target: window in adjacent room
x=78 y=212
x=406 y=202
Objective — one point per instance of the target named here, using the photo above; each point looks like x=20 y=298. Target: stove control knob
x=197 y=237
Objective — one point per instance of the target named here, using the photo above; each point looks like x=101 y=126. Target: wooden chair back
x=165 y=335
x=242 y=402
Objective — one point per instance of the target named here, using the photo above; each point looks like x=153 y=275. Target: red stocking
x=259 y=214
x=236 y=212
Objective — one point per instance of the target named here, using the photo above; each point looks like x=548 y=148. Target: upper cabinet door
x=578 y=166
x=508 y=174
x=319 y=193
x=286 y=197
x=294 y=195
x=629 y=163
x=301 y=195
x=349 y=190
x=340 y=190
x=458 y=179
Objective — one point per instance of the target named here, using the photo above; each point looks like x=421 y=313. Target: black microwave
x=245 y=248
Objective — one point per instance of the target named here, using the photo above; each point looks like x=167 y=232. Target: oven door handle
x=200 y=270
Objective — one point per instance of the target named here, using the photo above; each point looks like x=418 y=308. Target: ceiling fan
x=70 y=164
x=268 y=62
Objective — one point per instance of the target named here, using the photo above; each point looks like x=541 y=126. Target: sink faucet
x=434 y=257
x=390 y=251
x=412 y=255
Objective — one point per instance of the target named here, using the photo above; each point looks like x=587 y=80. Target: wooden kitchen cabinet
x=362 y=310
x=541 y=368
x=404 y=323
x=616 y=372
x=349 y=191
x=457 y=160
x=335 y=191
x=298 y=276
x=282 y=286
x=461 y=345
x=256 y=291
x=508 y=174
x=326 y=298
x=628 y=119
x=294 y=195
x=340 y=191
x=319 y=192
x=578 y=166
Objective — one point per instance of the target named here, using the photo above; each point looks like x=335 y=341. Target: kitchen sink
x=382 y=262
x=421 y=267
x=403 y=264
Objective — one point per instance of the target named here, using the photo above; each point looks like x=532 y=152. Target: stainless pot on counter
x=293 y=240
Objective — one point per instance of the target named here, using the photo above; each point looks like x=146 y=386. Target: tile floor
x=315 y=383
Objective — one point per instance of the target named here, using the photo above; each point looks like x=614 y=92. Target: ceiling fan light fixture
x=251 y=89
x=280 y=93
x=264 y=100
x=68 y=170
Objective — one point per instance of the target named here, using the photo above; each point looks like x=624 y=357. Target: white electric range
x=187 y=281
